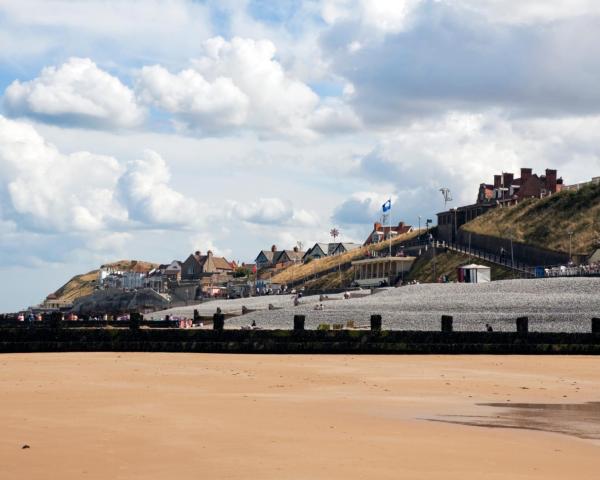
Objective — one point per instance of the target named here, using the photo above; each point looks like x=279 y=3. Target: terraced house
x=278 y=258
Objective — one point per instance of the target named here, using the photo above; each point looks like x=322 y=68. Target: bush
x=324 y=327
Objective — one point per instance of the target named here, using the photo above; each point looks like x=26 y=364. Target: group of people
x=573 y=270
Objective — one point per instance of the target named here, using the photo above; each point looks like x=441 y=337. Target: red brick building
x=506 y=190
x=381 y=232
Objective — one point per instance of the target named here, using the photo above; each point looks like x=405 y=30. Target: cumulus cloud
x=43 y=189
x=193 y=99
x=240 y=83
x=144 y=189
x=76 y=93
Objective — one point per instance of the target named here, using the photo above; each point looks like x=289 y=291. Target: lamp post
x=419 y=229
x=570 y=232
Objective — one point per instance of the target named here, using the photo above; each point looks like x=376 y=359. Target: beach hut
x=474 y=274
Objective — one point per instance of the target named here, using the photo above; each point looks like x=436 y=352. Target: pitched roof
x=268 y=254
x=350 y=246
x=222 y=264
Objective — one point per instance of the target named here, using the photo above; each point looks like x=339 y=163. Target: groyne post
x=523 y=325
x=218 y=321
x=299 y=322
x=55 y=320
x=135 y=319
x=375 y=323
x=447 y=324
x=595 y=325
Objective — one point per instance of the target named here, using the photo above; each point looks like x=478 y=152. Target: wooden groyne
x=55 y=338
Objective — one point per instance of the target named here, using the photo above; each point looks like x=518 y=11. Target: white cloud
x=272 y=211
x=264 y=211
x=335 y=115
x=203 y=104
x=47 y=190
x=144 y=189
x=382 y=15
x=233 y=83
x=77 y=93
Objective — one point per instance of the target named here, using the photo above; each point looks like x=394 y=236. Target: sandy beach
x=162 y=416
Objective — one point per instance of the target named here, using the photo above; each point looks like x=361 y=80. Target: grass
x=316 y=267
x=84 y=284
x=447 y=264
x=331 y=280
x=546 y=222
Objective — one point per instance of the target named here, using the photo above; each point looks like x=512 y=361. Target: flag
x=387 y=206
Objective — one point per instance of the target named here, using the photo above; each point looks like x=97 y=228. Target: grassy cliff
x=84 y=284
x=546 y=222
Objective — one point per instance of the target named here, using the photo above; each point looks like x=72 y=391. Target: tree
x=241 y=272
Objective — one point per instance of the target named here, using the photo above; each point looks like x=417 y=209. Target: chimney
x=274 y=248
x=551 y=180
x=507 y=179
x=377 y=226
x=525 y=175
x=296 y=249
x=497 y=181
x=197 y=253
x=209 y=253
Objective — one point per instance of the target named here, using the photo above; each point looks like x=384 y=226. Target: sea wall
x=44 y=339
x=523 y=253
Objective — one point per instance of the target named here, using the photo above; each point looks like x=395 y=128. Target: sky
x=148 y=129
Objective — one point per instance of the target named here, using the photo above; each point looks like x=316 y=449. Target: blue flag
x=387 y=206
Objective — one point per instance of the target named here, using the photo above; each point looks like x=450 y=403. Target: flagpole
x=390 y=226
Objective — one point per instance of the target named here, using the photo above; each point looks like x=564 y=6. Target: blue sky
x=150 y=129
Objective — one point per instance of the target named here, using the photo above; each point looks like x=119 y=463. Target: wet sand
x=189 y=416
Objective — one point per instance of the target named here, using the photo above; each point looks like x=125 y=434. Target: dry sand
x=190 y=416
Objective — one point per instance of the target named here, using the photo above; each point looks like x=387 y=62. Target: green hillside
x=447 y=264
x=546 y=222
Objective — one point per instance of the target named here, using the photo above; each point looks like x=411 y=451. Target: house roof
x=324 y=247
x=292 y=255
x=222 y=263
x=268 y=254
x=349 y=246
x=219 y=262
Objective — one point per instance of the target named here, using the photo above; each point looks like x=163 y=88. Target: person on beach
x=489 y=327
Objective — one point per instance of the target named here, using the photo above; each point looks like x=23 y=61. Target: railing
x=505 y=261
x=527 y=271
